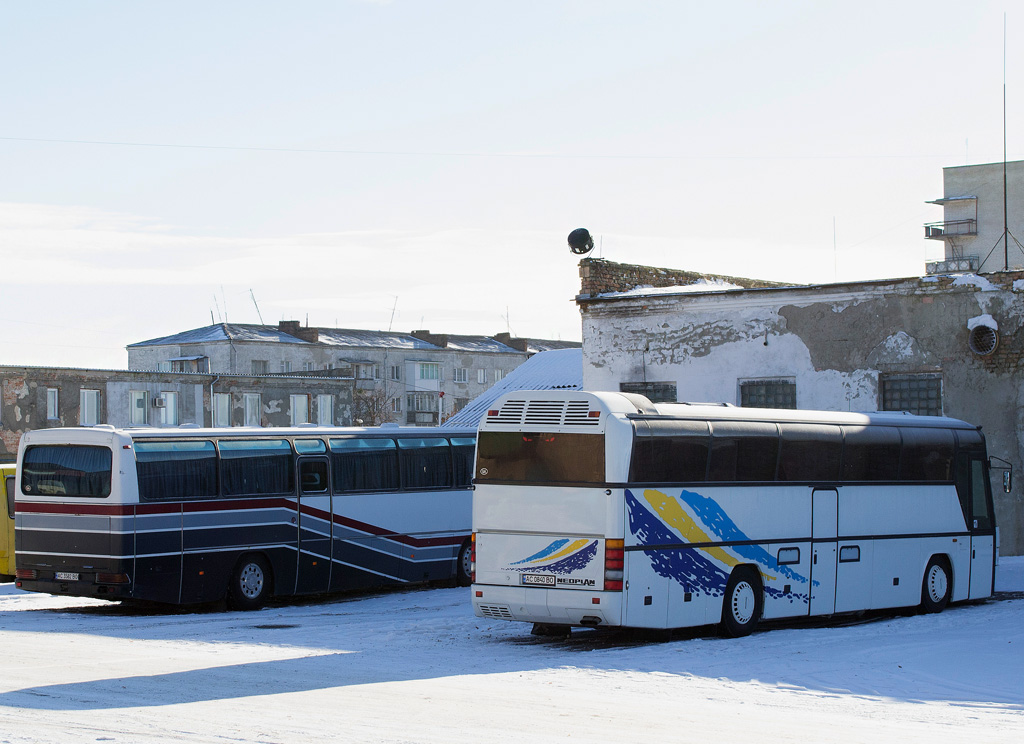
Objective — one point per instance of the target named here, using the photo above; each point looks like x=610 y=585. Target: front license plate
x=66 y=576
x=538 y=579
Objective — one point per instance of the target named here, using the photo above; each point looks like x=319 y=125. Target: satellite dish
x=580 y=241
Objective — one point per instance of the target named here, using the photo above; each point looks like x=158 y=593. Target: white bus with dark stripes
x=188 y=516
x=604 y=509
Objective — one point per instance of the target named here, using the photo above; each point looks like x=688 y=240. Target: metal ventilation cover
x=983 y=340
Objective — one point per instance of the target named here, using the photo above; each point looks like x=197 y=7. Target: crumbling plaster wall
x=833 y=342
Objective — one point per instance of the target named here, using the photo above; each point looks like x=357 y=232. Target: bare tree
x=373 y=407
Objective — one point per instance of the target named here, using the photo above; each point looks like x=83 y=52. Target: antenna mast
x=257 y=306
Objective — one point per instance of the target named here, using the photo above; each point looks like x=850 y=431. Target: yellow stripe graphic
x=570 y=548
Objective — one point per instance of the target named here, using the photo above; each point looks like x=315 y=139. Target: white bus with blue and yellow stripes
x=604 y=509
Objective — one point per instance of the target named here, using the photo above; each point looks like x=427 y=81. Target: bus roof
x=630 y=405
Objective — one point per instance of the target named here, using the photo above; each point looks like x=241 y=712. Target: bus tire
x=250 y=583
x=464 y=564
x=937 y=585
x=741 y=607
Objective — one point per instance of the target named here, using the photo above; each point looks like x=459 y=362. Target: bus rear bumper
x=550 y=606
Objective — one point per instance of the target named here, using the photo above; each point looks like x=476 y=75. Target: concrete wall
x=834 y=341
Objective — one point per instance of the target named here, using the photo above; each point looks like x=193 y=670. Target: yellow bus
x=7 y=528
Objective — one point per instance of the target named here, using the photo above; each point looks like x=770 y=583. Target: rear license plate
x=538 y=579
x=66 y=576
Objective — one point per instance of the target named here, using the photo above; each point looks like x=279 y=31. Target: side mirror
x=1007 y=481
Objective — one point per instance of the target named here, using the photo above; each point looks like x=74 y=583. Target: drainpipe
x=212 y=383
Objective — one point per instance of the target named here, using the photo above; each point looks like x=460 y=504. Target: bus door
x=982 y=527
x=824 y=533
x=314 y=510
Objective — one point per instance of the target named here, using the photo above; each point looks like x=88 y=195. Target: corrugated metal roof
x=559 y=369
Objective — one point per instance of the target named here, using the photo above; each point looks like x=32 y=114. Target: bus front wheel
x=741 y=608
x=937 y=587
x=250 y=583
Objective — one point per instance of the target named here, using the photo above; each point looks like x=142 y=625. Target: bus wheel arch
x=251 y=583
x=743 y=601
x=463 y=564
x=937 y=584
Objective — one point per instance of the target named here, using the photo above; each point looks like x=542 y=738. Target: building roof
x=223 y=332
x=558 y=369
x=349 y=338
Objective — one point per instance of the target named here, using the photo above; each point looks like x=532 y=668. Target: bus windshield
x=525 y=457
x=66 y=470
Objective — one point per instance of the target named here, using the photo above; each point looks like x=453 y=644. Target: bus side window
x=256 y=467
x=176 y=470
x=364 y=465
x=871 y=453
x=313 y=476
x=810 y=453
x=927 y=454
x=463 y=452
x=425 y=463
x=743 y=451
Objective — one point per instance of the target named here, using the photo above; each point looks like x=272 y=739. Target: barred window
x=919 y=394
x=767 y=394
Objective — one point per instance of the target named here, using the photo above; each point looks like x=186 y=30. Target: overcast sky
x=413 y=164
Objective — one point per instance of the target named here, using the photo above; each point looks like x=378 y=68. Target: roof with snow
x=558 y=369
x=352 y=338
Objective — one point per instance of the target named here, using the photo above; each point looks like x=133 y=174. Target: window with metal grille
x=920 y=394
x=768 y=394
x=656 y=392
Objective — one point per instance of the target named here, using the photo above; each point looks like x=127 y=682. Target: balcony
x=949 y=228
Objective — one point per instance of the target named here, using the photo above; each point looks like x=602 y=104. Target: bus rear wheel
x=250 y=583
x=936 y=587
x=741 y=608
x=464 y=566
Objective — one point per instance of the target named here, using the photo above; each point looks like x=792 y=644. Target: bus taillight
x=614 y=555
x=26 y=573
x=472 y=558
x=112 y=578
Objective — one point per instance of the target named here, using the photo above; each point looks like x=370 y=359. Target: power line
x=467 y=154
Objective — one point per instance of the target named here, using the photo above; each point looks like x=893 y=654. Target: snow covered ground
x=416 y=666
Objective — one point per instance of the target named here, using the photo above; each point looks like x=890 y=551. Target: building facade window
x=253 y=409
x=771 y=393
x=260 y=366
x=299 y=409
x=163 y=367
x=52 y=403
x=325 y=410
x=138 y=407
x=499 y=374
x=428 y=371
x=395 y=372
x=286 y=367
x=168 y=409
x=396 y=404
x=461 y=374
x=88 y=407
x=222 y=409
x=481 y=376
x=309 y=366
x=656 y=392
x=918 y=394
